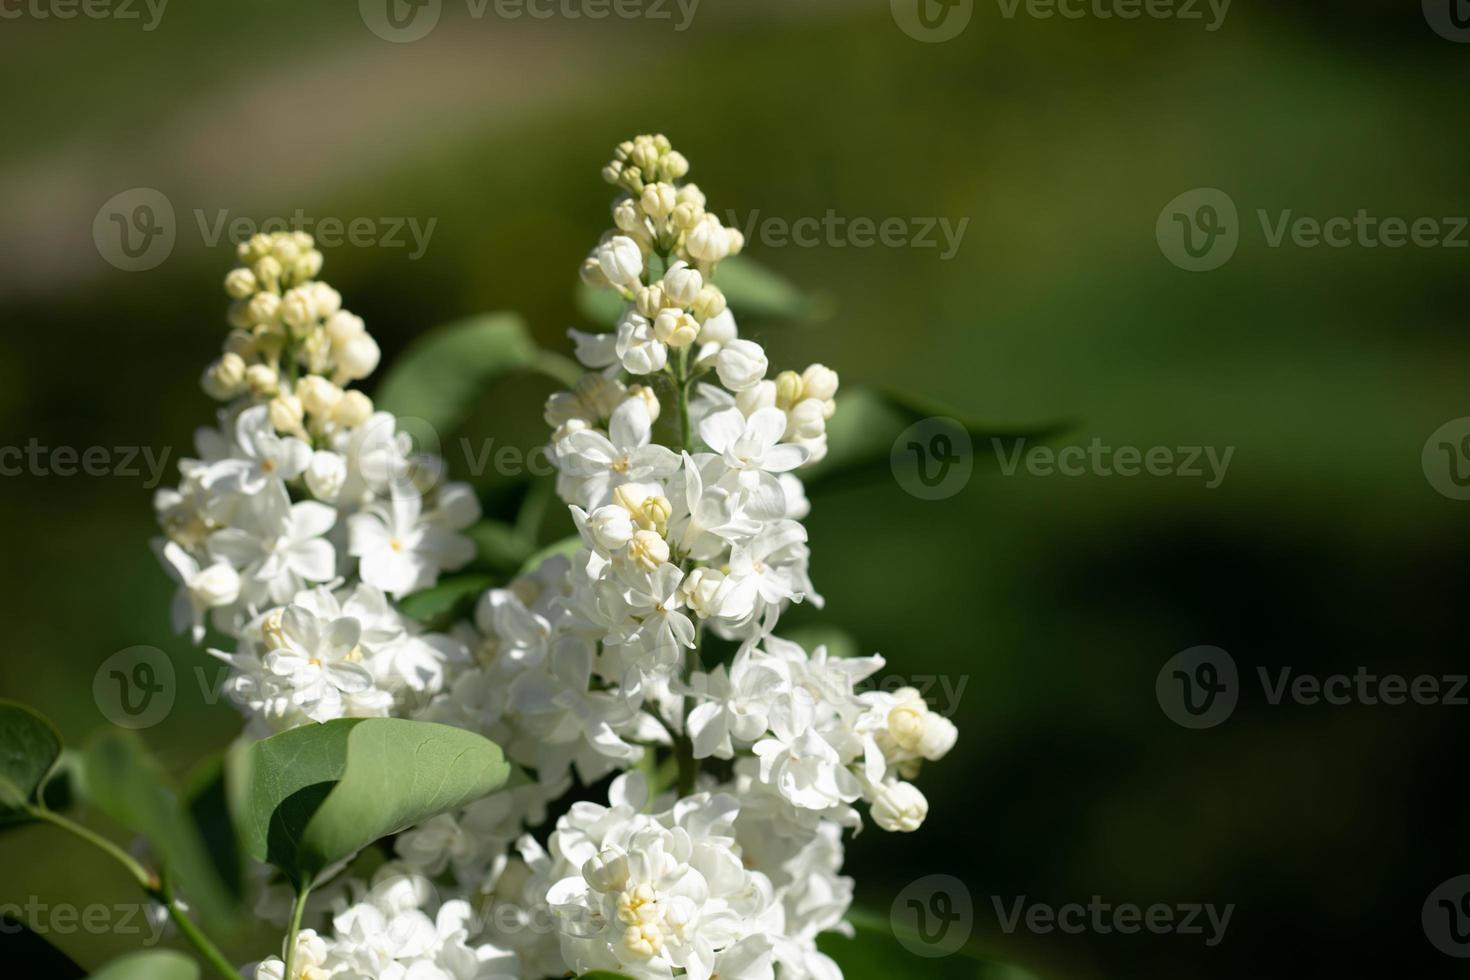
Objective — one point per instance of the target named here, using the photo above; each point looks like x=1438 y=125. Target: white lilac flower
x=400 y=549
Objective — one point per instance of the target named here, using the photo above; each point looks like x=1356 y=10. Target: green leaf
x=756 y=292
x=499 y=546
x=876 y=953
x=314 y=795
x=839 y=643
x=601 y=306
x=439 y=377
x=566 y=546
x=160 y=964
x=446 y=602
x=29 y=747
x=116 y=774
x=209 y=808
x=861 y=436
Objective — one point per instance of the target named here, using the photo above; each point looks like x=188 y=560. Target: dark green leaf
x=314 y=795
x=29 y=747
x=18 y=944
x=209 y=808
x=602 y=307
x=861 y=436
x=160 y=964
x=839 y=643
x=116 y=774
x=439 y=377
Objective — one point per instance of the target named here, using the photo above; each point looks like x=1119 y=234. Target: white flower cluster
x=736 y=775
x=395 y=929
x=305 y=506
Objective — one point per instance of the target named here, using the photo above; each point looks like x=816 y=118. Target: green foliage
x=441 y=375
x=861 y=435
x=452 y=598
x=309 y=797
x=875 y=953
x=116 y=774
x=29 y=748
x=159 y=964
x=566 y=546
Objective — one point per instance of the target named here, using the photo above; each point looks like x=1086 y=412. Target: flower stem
x=155 y=885
x=298 y=908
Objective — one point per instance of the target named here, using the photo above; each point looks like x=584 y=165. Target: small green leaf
x=566 y=546
x=159 y=964
x=314 y=795
x=439 y=377
x=451 y=599
x=209 y=808
x=876 y=953
x=602 y=307
x=499 y=546
x=861 y=436
x=116 y=774
x=839 y=643
x=29 y=747
x=756 y=292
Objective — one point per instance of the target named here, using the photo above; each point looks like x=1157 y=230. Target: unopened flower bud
x=225 y=377
x=760 y=395
x=627 y=219
x=676 y=328
x=325 y=300
x=325 y=475
x=359 y=357
x=788 y=389
x=675 y=165
x=343 y=327
x=899 y=806
x=263 y=307
x=658 y=201
x=649 y=300
x=707 y=241
x=607 y=871
x=741 y=364
x=611 y=527
x=592 y=273
x=806 y=419
x=683 y=284
x=648 y=550
x=308 y=266
x=298 y=310
x=285 y=413
x=267 y=271
x=687 y=215
x=239 y=342
x=700 y=590
x=262 y=379
x=621 y=261
x=240 y=283
x=938 y=738
x=820 y=382
x=649 y=398
x=354 y=409
x=254 y=248
x=318 y=395
x=710 y=304
x=272 y=629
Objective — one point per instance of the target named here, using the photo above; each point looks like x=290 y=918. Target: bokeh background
x=1054 y=601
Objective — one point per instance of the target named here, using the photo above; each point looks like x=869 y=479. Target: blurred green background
x=1053 y=600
